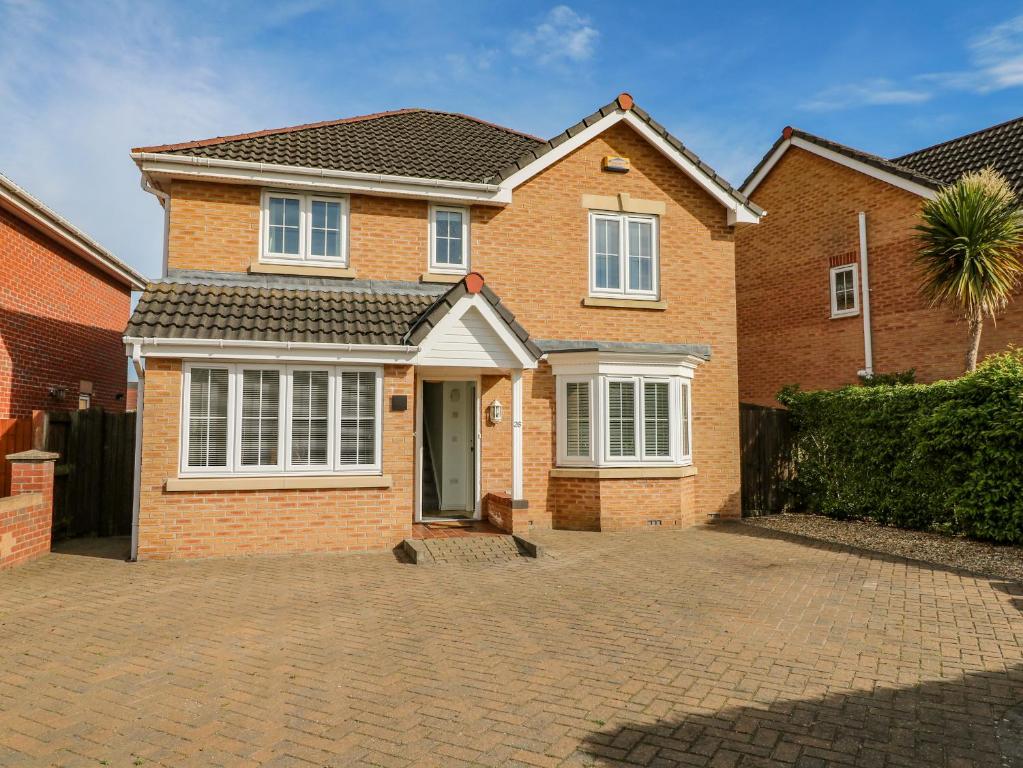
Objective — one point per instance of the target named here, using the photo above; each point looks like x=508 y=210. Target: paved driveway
x=713 y=646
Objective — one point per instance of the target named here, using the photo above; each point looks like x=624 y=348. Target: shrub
x=944 y=455
x=895 y=377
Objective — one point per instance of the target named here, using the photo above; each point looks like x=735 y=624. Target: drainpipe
x=868 y=341
x=140 y=372
x=165 y=203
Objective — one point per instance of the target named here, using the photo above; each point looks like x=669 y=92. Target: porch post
x=516 y=382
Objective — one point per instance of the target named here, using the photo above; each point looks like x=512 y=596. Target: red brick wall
x=616 y=504
x=61 y=322
x=26 y=516
x=786 y=333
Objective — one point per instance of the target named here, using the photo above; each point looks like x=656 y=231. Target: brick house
x=826 y=285
x=64 y=301
x=418 y=316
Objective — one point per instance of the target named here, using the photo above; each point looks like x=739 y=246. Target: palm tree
x=970 y=241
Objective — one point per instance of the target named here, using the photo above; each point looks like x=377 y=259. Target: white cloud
x=563 y=35
x=996 y=59
x=77 y=93
x=870 y=93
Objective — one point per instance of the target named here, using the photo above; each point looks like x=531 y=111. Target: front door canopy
x=468 y=327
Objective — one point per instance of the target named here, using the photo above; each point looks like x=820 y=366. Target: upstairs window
x=449 y=240
x=623 y=256
x=304 y=229
x=844 y=291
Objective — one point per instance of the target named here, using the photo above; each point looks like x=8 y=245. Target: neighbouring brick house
x=418 y=315
x=826 y=284
x=64 y=301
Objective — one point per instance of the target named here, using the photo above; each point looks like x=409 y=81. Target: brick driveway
x=711 y=646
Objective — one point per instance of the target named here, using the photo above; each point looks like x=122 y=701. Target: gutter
x=140 y=372
x=141 y=158
x=247 y=344
x=868 y=340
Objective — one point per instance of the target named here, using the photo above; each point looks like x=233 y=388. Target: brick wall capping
x=10 y=504
x=623 y=473
x=33 y=455
x=276 y=482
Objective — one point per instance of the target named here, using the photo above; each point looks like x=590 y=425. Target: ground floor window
x=616 y=420
x=257 y=419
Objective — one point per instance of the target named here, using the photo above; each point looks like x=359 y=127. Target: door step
x=470 y=550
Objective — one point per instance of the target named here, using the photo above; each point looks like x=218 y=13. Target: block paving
x=711 y=646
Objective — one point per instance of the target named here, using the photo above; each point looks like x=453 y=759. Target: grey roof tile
x=417 y=143
x=999 y=147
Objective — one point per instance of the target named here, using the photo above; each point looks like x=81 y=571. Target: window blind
x=207 y=417
x=261 y=401
x=357 y=418
x=310 y=403
x=622 y=418
x=656 y=423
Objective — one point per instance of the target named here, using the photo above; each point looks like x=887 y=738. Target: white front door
x=458 y=448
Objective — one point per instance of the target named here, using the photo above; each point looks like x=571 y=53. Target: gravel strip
x=1005 y=562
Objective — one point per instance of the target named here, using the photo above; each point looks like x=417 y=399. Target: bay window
x=242 y=419
x=636 y=420
x=304 y=229
x=623 y=255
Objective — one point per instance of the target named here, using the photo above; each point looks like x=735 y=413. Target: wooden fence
x=92 y=493
x=15 y=436
x=766 y=444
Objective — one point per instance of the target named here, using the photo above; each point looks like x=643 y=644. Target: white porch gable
x=474 y=335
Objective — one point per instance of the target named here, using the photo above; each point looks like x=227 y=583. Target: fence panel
x=92 y=494
x=15 y=436
x=766 y=443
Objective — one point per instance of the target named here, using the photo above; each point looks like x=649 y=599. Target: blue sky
x=83 y=82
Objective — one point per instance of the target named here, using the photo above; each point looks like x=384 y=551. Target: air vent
x=653 y=522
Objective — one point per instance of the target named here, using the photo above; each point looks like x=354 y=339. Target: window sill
x=264 y=268
x=275 y=482
x=596 y=301
x=622 y=473
x=439 y=277
x=840 y=315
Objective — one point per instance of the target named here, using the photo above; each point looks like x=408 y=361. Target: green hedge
x=947 y=455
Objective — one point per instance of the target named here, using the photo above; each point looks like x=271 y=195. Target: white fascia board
x=622 y=364
x=265 y=351
x=321 y=179
x=837 y=157
x=737 y=212
x=27 y=208
x=518 y=350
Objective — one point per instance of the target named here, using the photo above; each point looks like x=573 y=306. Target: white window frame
x=832 y=274
x=623 y=256
x=448 y=269
x=236 y=436
x=284 y=465
x=305 y=221
x=679 y=391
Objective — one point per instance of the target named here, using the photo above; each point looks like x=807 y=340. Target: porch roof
x=552 y=346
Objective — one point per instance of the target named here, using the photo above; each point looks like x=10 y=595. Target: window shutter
x=207 y=417
x=577 y=412
x=622 y=418
x=656 y=424
x=310 y=403
x=261 y=398
x=357 y=434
